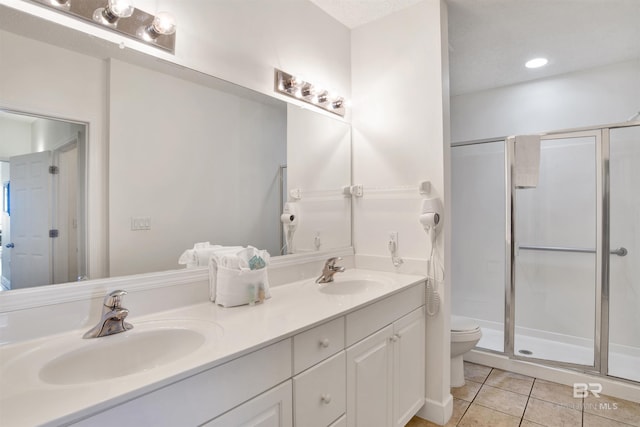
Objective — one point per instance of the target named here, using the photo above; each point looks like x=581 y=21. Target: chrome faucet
x=330 y=268
x=113 y=315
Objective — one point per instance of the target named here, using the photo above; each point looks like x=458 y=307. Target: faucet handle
x=332 y=261
x=113 y=299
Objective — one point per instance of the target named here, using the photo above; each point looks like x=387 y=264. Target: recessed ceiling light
x=536 y=63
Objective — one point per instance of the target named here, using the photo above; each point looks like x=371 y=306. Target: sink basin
x=145 y=347
x=350 y=286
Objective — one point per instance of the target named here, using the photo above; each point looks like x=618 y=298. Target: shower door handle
x=621 y=251
x=9 y=245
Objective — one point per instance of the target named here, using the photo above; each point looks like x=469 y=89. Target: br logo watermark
x=583 y=389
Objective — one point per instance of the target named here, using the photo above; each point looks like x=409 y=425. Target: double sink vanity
x=344 y=353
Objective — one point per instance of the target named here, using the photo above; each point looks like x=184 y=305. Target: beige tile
x=466 y=392
x=590 y=420
x=459 y=408
x=551 y=414
x=510 y=381
x=418 y=422
x=502 y=400
x=613 y=408
x=527 y=423
x=480 y=416
x=555 y=393
x=475 y=372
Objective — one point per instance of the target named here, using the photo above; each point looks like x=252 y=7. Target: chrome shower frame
x=603 y=249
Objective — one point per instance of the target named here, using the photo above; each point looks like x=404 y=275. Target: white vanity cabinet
x=385 y=370
x=204 y=396
x=272 y=408
x=364 y=368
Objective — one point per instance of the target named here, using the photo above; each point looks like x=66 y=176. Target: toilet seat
x=464 y=330
x=463 y=324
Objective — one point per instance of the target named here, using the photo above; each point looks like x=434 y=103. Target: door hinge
x=54 y=170
x=53 y=233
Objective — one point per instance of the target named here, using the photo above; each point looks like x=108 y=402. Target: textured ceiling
x=490 y=40
x=353 y=13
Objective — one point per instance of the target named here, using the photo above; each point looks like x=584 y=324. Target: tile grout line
x=474 y=397
x=526 y=405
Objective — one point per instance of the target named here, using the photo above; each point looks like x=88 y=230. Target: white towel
x=527 y=161
x=201 y=252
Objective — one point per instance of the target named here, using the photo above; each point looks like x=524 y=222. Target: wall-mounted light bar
x=121 y=16
x=296 y=87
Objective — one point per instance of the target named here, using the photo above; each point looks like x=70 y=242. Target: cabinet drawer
x=376 y=316
x=319 y=394
x=317 y=344
x=270 y=409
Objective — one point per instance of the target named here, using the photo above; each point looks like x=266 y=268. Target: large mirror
x=173 y=157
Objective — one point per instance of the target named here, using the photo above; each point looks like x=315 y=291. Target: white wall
x=76 y=93
x=50 y=134
x=399 y=139
x=603 y=95
x=179 y=163
x=15 y=136
x=240 y=42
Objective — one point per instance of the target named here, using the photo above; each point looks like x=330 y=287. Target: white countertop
x=25 y=400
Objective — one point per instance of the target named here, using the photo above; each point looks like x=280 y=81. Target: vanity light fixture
x=121 y=16
x=295 y=87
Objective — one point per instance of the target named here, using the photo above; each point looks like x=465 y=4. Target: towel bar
x=618 y=251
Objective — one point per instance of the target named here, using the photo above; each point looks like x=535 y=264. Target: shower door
x=623 y=334
x=555 y=285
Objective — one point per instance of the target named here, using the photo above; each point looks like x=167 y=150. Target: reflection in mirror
x=185 y=156
x=43 y=168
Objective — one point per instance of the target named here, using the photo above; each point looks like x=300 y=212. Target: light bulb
x=536 y=63
x=164 y=24
x=115 y=10
x=121 y=8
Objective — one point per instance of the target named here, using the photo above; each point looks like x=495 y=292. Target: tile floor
x=495 y=398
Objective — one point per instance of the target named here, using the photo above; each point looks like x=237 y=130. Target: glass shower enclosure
x=549 y=272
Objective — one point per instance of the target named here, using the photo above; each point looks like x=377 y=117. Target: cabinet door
x=272 y=408
x=369 y=381
x=319 y=393
x=408 y=366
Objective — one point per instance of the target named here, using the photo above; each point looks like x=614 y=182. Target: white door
x=30 y=197
x=369 y=382
x=408 y=366
x=65 y=246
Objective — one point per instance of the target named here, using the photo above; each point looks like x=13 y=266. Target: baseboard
x=437 y=412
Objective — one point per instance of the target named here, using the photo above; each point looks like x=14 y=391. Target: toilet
x=465 y=334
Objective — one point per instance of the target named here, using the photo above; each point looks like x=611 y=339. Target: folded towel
x=527 y=161
x=201 y=252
